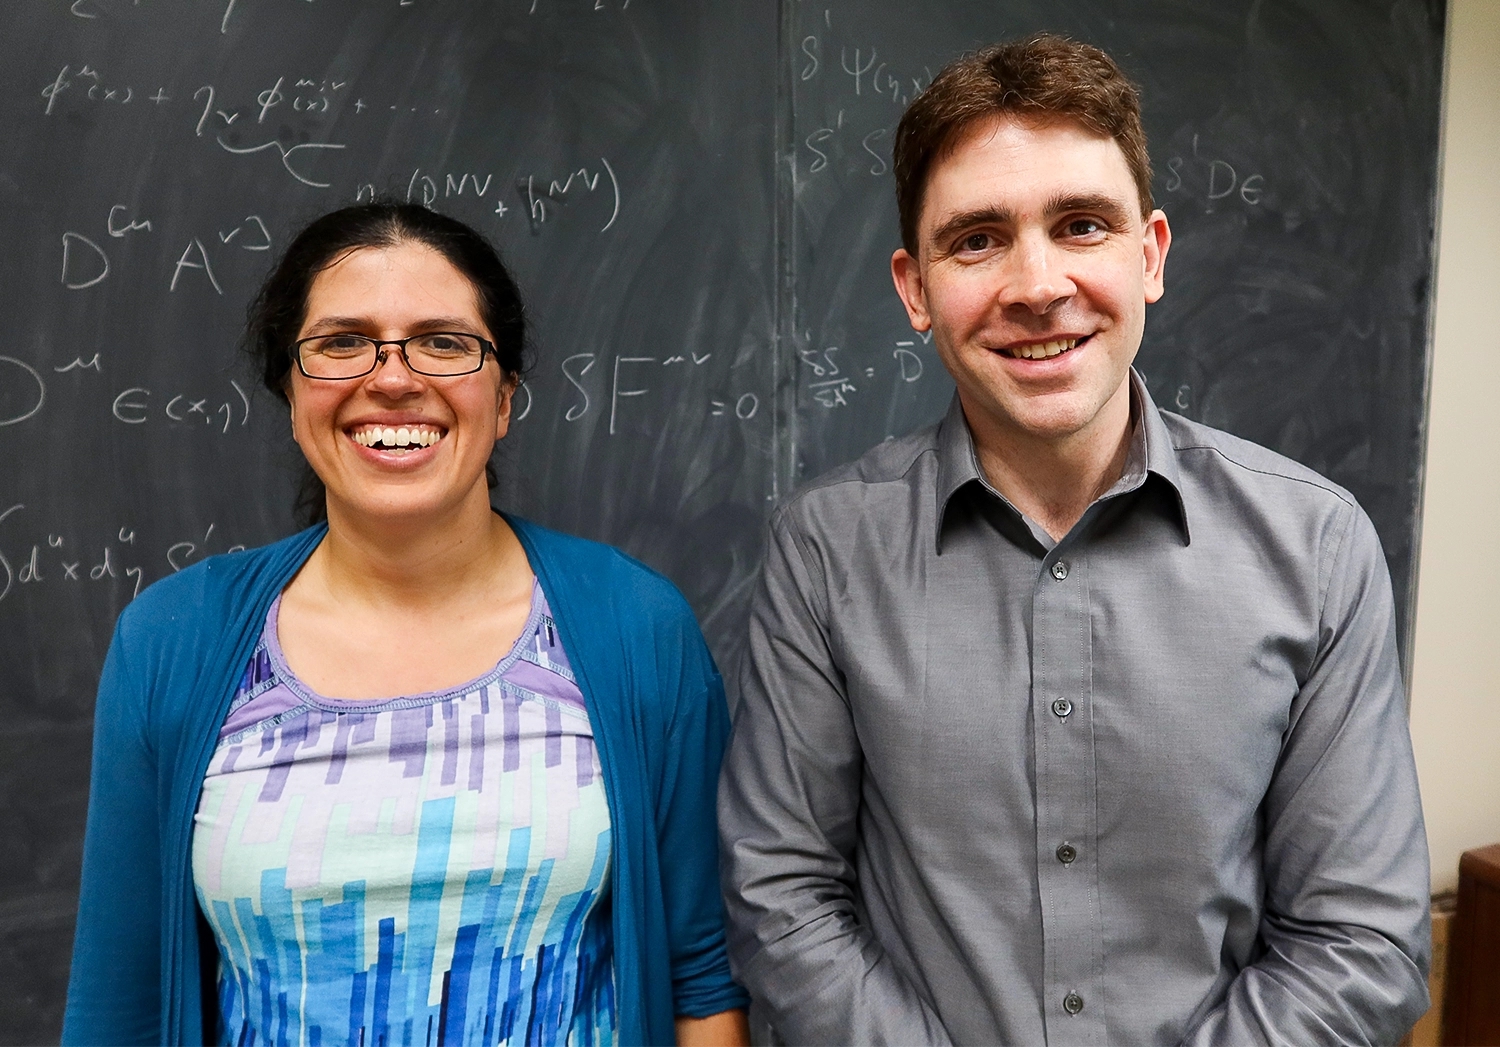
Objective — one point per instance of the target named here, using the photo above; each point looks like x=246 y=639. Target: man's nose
x=1037 y=278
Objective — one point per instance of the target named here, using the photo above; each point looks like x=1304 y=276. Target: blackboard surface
x=696 y=199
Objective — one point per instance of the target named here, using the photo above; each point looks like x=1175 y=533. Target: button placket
x=1062 y=678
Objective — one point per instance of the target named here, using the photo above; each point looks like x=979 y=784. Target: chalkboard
x=696 y=199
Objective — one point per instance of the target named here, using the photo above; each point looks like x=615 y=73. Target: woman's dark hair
x=276 y=315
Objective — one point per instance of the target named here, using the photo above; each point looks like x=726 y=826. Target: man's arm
x=789 y=802
x=1345 y=929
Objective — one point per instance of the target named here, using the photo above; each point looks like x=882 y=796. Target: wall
x=1456 y=657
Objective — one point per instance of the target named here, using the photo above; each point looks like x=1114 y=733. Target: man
x=1067 y=721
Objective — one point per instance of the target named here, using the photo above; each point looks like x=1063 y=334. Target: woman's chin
x=403 y=505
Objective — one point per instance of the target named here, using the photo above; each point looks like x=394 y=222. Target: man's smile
x=1042 y=350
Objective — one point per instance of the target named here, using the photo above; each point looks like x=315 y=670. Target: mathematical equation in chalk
x=627 y=379
x=56 y=558
x=539 y=197
x=861 y=70
x=1210 y=179
x=87 y=261
x=94 y=10
x=831 y=381
x=255 y=126
x=870 y=91
x=23 y=396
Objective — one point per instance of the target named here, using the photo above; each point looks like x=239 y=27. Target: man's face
x=1034 y=270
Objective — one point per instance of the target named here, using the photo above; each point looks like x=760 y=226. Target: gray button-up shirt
x=1150 y=783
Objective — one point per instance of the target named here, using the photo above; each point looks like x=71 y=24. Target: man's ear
x=906 y=274
x=1155 y=239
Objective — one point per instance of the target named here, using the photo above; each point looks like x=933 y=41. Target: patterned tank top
x=432 y=869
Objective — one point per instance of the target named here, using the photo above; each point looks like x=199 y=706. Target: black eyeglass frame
x=485 y=347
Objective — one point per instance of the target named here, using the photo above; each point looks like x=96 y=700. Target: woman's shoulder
x=199 y=598
x=618 y=616
x=602 y=571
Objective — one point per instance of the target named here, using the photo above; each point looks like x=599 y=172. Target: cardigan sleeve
x=686 y=826
x=114 y=989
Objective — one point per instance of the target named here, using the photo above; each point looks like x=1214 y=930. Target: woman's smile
x=396 y=442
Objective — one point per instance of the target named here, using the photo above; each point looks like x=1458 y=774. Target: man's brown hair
x=1042 y=77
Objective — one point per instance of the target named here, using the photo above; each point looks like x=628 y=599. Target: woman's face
x=452 y=422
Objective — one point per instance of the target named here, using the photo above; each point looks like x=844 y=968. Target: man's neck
x=1054 y=481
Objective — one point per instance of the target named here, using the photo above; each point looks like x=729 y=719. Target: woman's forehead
x=404 y=278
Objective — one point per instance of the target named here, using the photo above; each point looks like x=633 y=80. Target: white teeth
x=395 y=438
x=1044 y=350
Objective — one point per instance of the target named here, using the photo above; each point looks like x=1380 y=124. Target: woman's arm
x=726 y=1029
x=703 y=990
x=114 y=992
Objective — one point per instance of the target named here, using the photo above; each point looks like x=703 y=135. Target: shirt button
x=1060 y=570
x=1062 y=707
x=1072 y=1003
x=1066 y=853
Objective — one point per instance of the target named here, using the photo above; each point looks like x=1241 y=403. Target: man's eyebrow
x=967 y=219
x=1106 y=207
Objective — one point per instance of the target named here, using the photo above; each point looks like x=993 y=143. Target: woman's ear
x=505 y=397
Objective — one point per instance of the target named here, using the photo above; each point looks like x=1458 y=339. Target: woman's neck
x=436 y=559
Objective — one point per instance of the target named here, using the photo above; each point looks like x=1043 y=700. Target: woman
x=422 y=774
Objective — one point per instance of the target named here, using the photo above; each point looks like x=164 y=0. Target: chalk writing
x=909 y=362
x=58 y=560
x=61 y=561
x=186 y=262
x=616 y=394
x=821 y=363
x=133 y=406
x=745 y=407
x=97 y=91
x=296 y=170
x=1212 y=178
x=830 y=393
x=30 y=390
x=521 y=387
x=78 y=364
x=577 y=411
x=130 y=226
x=257 y=236
x=538 y=202
x=91 y=266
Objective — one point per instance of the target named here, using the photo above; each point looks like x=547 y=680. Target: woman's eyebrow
x=359 y=324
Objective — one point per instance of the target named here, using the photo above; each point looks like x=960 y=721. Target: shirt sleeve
x=1345 y=937
x=789 y=804
x=685 y=826
x=114 y=989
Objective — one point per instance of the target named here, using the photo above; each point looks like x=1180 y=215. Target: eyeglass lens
x=351 y=355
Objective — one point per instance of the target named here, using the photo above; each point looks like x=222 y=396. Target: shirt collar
x=1151 y=453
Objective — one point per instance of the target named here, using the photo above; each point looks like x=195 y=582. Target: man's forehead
x=1023 y=129
x=981 y=158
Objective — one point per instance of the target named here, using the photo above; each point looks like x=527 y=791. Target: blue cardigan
x=143 y=964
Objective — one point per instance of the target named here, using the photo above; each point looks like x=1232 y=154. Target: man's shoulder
x=1206 y=454
x=886 y=473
